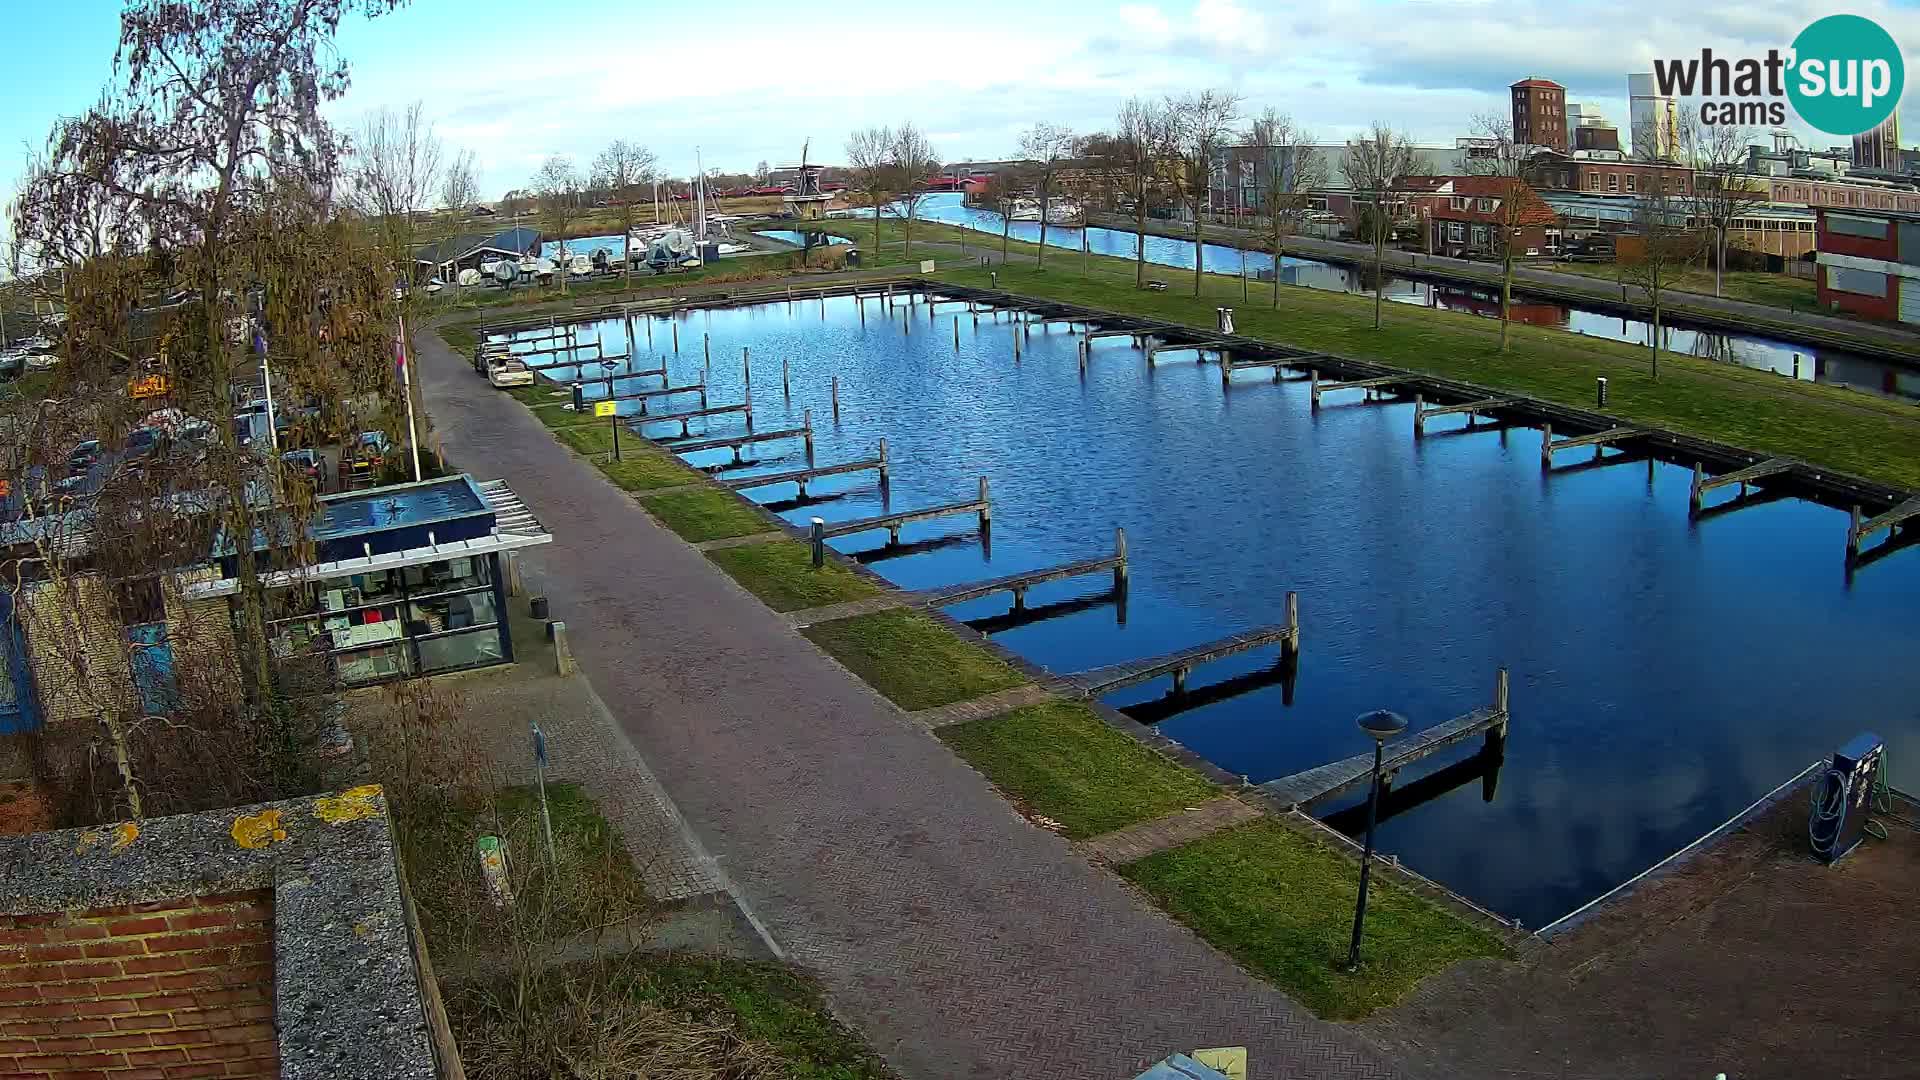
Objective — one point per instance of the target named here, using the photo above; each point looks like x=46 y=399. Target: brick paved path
x=963 y=941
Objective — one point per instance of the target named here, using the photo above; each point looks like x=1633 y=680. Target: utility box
x=1843 y=798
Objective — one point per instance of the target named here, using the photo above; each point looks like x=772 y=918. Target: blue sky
x=514 y=81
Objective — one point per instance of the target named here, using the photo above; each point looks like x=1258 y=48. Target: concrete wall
x=180 y=988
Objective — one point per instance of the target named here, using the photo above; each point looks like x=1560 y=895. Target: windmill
x=806 y=200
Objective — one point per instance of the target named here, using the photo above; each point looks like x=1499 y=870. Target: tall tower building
x=1540 y=113
x=1655 y=119
x=1879 y=148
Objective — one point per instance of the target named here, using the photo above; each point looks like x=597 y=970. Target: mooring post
x=1016 y=343
x=885 y=473
x=836 y=399
x=1419 y=416
x=1080 y=347
x=1226 y=369
x=1313 y=386
x=819 y=530
x=1499 y=706
x=806 y=421
x=1293 y=622
x=1546 y=446
x=1853 y=534
x=649 y=331
x=1120 y=555
x=1179 y=680
x=706 y=349
x=749 y=404
x=956 y=333
x=789 y=298
x=986 y=507
x=706 y=371
x=746 y=369
x=676 y=336
x=786 y=380
x=1693 y=497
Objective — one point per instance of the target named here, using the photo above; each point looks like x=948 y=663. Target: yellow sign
x=604 y=408
x=1230 y=1060
x=149 y=386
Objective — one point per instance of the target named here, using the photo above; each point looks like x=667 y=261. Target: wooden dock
x=1549 y=447
x=981 y=506
x=644 y=396
x=1203 y=347
x=1335 y=777
x=1019 y=583
x=1105 y=680
x=1422 y=412
x=595 y=362
x=637 y=422
x=1702 y=483
x=1229 y=363
x=802 y=477
x=1859 y=530
x=735 y=442
x=1369 y=385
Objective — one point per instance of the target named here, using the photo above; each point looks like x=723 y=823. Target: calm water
x=1823 y=365
x=796 y=237
x=585 y=245
x=1664 y=674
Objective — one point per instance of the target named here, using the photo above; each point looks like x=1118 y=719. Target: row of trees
x=892 y=164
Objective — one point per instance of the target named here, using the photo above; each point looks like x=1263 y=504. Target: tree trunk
x=1199 y=250
x=1040 y=257
x=1506 y=292
x=1006 y=230
x=1656 y=336
x=1379 y=257
x=1140 y=241
x=123 y=763
x=876 y=225
x=1720 y=259
x=910 y=209
x=1279 y=256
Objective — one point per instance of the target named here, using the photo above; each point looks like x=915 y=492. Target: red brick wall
x=160 y=991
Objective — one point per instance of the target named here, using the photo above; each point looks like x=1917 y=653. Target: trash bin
x=1226 y=319
x=853 y=256
x=537 y=607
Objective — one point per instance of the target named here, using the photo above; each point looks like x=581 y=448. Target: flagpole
x=406 y=382
x=266 y=378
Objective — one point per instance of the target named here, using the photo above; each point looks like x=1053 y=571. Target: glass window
x=1860 y=282
x=447 y=575
x=456 y=611
x=373 y=664
x=451 y=651
x=1613 y=181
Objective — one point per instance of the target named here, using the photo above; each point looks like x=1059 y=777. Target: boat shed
x=445 y=258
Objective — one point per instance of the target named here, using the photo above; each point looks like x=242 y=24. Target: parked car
x=367 y=454
x=503 y=372
x=306 y=464
x=83 y=458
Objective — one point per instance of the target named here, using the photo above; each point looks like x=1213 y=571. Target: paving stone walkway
x=961 y=940
x=981 y=707
x=1136 y=842
x=829 y=612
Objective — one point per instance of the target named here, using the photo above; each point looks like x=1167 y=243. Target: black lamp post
x=1382 y=725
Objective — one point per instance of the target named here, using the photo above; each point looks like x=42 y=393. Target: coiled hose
x=1829 y=806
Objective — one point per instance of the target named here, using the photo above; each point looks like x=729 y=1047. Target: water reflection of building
x=1531 y=311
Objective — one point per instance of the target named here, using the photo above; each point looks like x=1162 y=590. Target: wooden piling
x=1694 y=497
x=956 y=333
x=1292 y=644
x=1546 y=446
x=1499 y=706
x=819 y=542
x=676 y=335
x=886 y=472
x=786 y=380
x=1853 y=533
x=806 y=421
x=1120 y=554
x=1016 y=343
x=746 y=370
x=1313 y=386
x=986 y=508
x=836 y=399
x=706 y=349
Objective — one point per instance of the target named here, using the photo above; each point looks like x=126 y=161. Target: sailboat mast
x=700 y=199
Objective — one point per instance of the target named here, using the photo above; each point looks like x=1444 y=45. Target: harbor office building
x=407 y=580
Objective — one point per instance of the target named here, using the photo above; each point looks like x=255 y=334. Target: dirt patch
x=23 y=809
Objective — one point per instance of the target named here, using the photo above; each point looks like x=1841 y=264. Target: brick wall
x=158 y=991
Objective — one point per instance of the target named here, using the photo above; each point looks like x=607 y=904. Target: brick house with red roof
x=1465 y=215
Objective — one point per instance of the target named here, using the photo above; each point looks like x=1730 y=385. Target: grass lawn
x=597 y=883
x=1779 y=290
x=643 y=468
x=706 y=515
x=781 y=573
x=780 y=1014
x=1281 y=903
x=1864 y=434
x=914 y=661
x=1060 y=760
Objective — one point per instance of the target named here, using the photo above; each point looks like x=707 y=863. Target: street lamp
x=1381 y=724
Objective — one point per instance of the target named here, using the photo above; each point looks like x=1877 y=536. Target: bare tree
x=1144 y=144
x=870 y=157
x=624 y=169
x=1044 y=147
x=1290 y=168
x=393 y=176
x=914 y=161
x=1375 y=164
x=1002 y=189
x=210 y=155
x=459 y=193
x=1665 y=244
x=1202 y=125
x=1516 y=205
x=558 y=183
x=1722 y=190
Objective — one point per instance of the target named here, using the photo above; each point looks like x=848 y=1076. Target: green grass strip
x=1062 y=761
x=706 y=515
x=914 y=661
x=1281 y=903
x=781 y=573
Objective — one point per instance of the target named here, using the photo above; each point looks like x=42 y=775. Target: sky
x=750 y=80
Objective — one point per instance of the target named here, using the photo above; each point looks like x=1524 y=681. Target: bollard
x=836 y=399
x=1600 y=391
x=819 y=530
x=562 y=654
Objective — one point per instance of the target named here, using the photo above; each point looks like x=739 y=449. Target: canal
x=1665 y=673
x=1815 y=364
